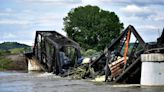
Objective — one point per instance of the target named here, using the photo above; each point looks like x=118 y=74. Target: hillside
x=12 y=45
x=11 y=56
x=13 y=48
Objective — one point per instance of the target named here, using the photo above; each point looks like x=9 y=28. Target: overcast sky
x=19 y=19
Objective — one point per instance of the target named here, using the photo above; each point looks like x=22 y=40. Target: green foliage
x=90 y=53
x=12 y=45
x=5 y=63
x=13 y=48
x=12 y=62
x=92 y=27
x=17 y=50
x=8 y=48
x=4 y=52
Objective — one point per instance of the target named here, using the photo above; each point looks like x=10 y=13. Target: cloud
x=152 y=27
x=159 y=16
x=14 y=21
x=8 y=36
x=134 y=10
x=23 y=17
x=136 y=2
x=6 y=12
x=51 y=2
x=50 y=16
x=9 y=10
x=148 y=2
x=30 y=18
x=92 y=2
x=49 y=21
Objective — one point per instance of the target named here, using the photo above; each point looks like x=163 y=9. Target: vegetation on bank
x=12 y=64
x=12 y=45
x=13 y=48
x=10 y=58
x=5 y=63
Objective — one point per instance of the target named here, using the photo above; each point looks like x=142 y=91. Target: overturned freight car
x=54 y=52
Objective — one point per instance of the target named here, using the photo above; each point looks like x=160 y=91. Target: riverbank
x=12 y=62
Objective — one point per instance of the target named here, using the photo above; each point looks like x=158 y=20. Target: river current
x=14 y=81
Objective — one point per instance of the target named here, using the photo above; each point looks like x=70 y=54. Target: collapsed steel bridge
x=123 y=63
x=52 y=50
x=119 y=62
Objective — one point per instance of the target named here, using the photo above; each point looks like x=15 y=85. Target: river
x=13 y=81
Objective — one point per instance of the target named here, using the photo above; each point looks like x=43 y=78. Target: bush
x=17 y=50
x=5 y=63
x=90 y=53
x=4 y=52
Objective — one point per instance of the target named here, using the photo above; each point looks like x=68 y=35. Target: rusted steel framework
x=121 y=59
x=123 y=62
x=159 y=46
x=55 y=52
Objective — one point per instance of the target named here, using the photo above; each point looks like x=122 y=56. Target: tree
x=92 y=27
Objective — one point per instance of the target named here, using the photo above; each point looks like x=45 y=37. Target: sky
x=19 y=19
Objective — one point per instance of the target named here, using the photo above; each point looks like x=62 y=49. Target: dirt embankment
x=13 y=62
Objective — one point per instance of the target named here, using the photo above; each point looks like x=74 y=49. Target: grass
x=11 y=64
x=5 y=63
x=17 y=50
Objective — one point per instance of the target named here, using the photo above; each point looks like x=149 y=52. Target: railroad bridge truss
x=120 y=61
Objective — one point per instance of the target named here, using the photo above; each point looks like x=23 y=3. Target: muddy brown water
x=12 y=81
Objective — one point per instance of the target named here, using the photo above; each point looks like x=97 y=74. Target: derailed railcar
x=55 y=52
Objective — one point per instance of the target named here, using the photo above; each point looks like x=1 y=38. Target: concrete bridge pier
x=33 y=65
x=152 y=73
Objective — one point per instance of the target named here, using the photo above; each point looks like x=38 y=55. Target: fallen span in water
x=54 y=52
x=120 y=62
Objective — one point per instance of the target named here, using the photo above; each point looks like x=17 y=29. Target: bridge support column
x=152 y=73
x=33 y=65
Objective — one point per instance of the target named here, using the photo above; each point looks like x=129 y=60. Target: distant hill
x=11 y=56
x=12 y=45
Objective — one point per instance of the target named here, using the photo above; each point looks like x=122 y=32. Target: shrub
x=5 y=63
